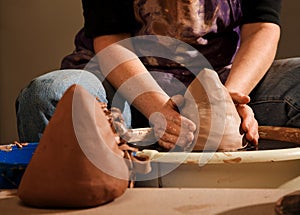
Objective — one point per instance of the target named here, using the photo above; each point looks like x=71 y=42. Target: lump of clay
x=77 y=162
x=209 y=105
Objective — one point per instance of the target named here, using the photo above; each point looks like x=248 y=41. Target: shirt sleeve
x=107 y=17
x=261 y=11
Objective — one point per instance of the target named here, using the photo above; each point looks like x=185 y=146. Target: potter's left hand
x=249 y=124
x=170 y=127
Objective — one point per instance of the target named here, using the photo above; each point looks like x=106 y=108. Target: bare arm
x=148 y=102
x=258 y=47
x=171 y=128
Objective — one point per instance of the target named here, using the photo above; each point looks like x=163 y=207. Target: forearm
x=136 y=84
x=257 y=51
x=128 y=76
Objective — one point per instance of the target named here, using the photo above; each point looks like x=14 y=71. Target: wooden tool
x=279 y=133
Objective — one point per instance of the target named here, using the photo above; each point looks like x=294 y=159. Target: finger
x=187 y=123
x=175 y=102
x=182 y=121
x=167 y=137
x=252 y=134
x=183 y=140
x=240 y=98
x=247 y=116
x=173 y=128
x=175 y=131
x=249 y=123
x=182 y=130
x=166 y=145
x=252 y=137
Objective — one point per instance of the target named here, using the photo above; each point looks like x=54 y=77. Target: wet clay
x=209 y=105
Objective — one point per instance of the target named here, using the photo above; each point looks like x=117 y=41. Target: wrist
x=150 y=102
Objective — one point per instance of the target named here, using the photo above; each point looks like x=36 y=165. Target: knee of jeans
x=38 y=96
x=49 y=88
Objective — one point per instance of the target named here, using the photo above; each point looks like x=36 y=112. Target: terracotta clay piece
x=78 y=162
x=209 y=105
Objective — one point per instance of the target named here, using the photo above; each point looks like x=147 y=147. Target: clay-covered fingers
x=173 y=129
x=175 y=103
x=174 y=135
x=249 y=124
x=170 y=128
x=169 y=141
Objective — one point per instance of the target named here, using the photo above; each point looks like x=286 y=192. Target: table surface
x=166 y=201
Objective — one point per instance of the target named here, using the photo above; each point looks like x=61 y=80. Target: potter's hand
x=170 y=127
x=249 y=124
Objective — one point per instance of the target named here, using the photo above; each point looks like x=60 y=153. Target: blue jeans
x=37 y=102
x=275 y=101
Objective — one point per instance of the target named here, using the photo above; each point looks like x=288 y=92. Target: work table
x=166 y=201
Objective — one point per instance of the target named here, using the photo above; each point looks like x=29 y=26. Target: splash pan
x=274 y=164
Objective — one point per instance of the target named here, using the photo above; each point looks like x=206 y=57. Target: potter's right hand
x=249 y=124
x=170 y=127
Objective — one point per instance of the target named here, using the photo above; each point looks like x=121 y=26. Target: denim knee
x=37 y=102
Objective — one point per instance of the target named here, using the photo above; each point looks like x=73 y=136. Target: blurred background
x=36 y=34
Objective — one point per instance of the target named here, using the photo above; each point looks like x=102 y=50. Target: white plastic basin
x=242 y=169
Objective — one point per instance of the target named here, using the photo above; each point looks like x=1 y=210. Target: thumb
x=240 y=98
